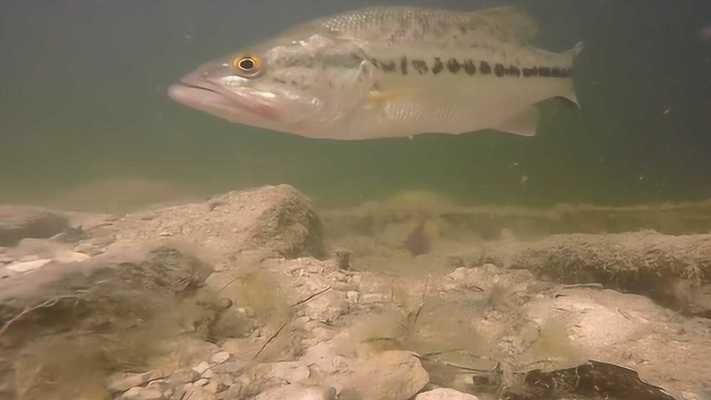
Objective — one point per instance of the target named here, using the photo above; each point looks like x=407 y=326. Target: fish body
x=388 y=72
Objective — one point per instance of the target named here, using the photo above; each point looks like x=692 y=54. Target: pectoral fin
x=381 y=97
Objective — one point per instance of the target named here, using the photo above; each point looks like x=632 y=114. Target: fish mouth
x=235 y=107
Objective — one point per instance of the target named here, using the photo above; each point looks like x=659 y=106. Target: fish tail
x=577 y=49
x=574 y=53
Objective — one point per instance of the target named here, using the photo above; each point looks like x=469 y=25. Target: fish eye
x=247 y=66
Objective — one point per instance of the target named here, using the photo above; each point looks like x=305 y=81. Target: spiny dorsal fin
x=512 y=22
x=398 y=25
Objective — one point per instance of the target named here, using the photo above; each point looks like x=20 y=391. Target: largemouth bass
x=388 y=72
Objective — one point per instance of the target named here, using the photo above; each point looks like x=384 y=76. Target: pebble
x=220 y=357
x=352 y=296
x=201 y=368
x=201 y=382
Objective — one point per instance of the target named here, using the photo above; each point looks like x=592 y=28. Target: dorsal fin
x=436 y=27
x=512 y=21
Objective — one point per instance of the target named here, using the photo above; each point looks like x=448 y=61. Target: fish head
x=309 y=84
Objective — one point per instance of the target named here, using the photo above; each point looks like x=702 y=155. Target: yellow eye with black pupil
x=247 y=66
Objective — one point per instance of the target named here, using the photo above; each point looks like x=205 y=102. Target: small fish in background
x=418 y=242
x=385 y=72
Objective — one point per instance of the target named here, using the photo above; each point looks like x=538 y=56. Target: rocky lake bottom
x=257 y=294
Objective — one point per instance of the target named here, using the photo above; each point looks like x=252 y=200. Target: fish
x=388 y=72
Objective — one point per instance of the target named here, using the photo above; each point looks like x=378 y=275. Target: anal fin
x=523 y=123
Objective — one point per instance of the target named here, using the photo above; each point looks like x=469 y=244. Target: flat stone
x=123 y=381
x=445 y=394
x=201 y=382
x=183 y=376
x=201 y=368
x=139 y=393
x=220 y=357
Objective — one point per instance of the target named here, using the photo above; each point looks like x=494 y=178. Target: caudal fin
x=574 y=53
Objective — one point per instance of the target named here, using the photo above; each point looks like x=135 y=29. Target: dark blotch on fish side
x=403 y=65
x=529 y=72
x=469 y=67
x=418 y=242
x=514 y=71
x=544 y=71
x=499 y=70
x=388 y=66
x=485 y=68
x=438 y=66
x=420 y=66
x=453 y=65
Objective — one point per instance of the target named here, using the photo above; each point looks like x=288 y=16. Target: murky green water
x=83 y=103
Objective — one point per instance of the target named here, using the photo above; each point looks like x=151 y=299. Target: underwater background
x=85 y=119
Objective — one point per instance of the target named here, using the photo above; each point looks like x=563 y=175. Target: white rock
x=298 y=392
x=220 y=357
x=352 y=296
x=28 y=265
x=202 y=367
x=445 y=394
x=139 y=393
x=71 y=257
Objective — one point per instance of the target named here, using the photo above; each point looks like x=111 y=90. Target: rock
x=391 y=375
x=201 y=382
x=123 y=381
x=139 y=393
x=445 y=394
x=201 y=368
x=276 y=219
x=298 y=392
x=17 y=223
x=220 y=357
x=183 y=376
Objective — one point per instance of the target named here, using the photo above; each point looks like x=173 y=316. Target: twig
x=45 y=304
x=430 y=356
x=271 y=339
x=311 y=297
x=584 y=285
